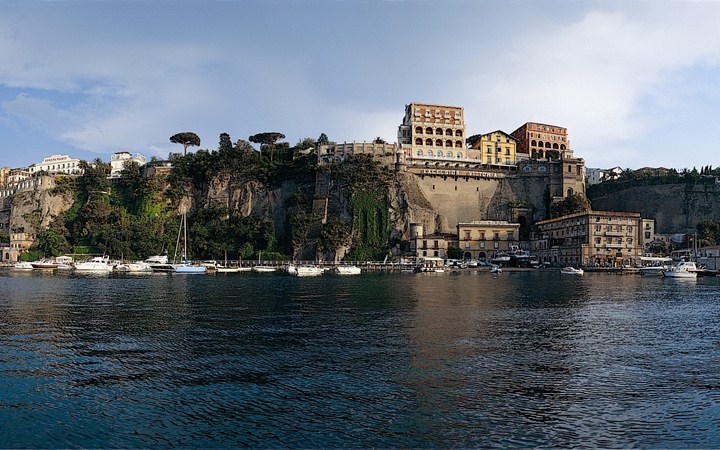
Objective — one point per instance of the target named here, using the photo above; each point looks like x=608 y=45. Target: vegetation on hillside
x=134 y=217
x=635 y=178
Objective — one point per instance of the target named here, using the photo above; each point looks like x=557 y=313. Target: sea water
x=461 y=359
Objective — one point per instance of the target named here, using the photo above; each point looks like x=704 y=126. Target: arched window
x=440 y=153
x=458 y=133
x=533 y=143
x=418 y=141
x=547 y=145
x=418 y=130
x=419 y=153
x=448 y=143
x=570 y=192
x=438 y=131
x=562 y=146
x=555 y=146
x=428 y=130
x=438 y=143
x=428 y=142
x=459 y=155
x=448 y=154
x=448 y=132
x=458 y=144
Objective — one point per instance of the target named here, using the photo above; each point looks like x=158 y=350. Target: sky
x=636 y=83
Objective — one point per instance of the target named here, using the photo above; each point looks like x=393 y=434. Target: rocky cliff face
x=32 y=211
x=676 y=208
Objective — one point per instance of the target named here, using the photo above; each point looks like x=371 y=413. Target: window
x=467 y=235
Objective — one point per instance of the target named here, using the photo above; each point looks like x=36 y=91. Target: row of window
x=438 y=131
x=495 y=235
x=437 y=113
x=542 y=144
x=438 y=143
x=544 y=136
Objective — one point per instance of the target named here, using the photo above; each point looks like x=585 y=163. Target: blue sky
x=636 y=83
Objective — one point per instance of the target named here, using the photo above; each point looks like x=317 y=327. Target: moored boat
x=308 y=270
x=96 y=264
x=571 y=271
x=347 y=269
x=44 y=264
x=264 y=269
x=23 y=265
x=683 y=269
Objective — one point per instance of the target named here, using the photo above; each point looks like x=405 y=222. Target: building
x=590 y=238
x=118 y=160
x=597 y=176
x=4 y=176
x=57 y=164
x=497 y=148
x=541 y=141
x=485 y=239
x=156 y=168
x=334 y=153
x=431 y=133
x=647 y=234
x=434 y=245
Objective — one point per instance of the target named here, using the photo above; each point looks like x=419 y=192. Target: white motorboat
x=495 y=269
x=683 y=269
x=308 y=270
x=23 y=265
x=134 y=267
x=96 y=264
x=264 y=269
x=347 y=269
x=571 y=271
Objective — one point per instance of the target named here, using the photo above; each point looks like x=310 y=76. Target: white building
x=57 y=164
x=118 y=160
x=595 y=176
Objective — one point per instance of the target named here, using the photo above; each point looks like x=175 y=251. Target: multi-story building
x=647 y=233
x=333 y=152
x=432 y=246
x=118 y=160
x=4 y=176
x=57 y=164
x=590 y=238
x=432 y=133
x=497 y=148
x=485 y=239
x=541 y=141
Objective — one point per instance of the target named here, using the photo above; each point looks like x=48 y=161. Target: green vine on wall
x=371 y=223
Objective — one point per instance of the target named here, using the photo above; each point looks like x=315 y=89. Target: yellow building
x=486 y=239
x=590 y=238
x=496 y=148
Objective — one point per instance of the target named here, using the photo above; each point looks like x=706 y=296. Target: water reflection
x=429 y=360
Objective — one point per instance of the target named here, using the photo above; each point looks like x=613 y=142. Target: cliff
x=676 y=208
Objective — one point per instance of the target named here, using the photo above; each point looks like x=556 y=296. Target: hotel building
x=118 y=160
x=497 y=148
x=590 y=238
x=57 y=164
x=541 y=141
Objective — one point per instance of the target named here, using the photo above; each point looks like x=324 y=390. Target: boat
x=44 y=264
x=264 y=269
x=184 y=266
x=134 y=267
x=96 y=264
x=347 y=269
x=308 y=270
x=23 y=265
x=500 y=258
x=571 y=271
x=495 y=269
x=654 y=271
x=683 y=269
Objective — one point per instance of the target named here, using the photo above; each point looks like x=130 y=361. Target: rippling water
x=379 y=360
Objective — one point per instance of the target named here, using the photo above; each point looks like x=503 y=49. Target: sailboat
x=185 y=266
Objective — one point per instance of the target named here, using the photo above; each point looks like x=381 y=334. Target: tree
x=225 y=142
x=472 y=140
x=323 y=139
x=574 y=203
x=268 y=138
x=187 y=139
x=52 y=243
